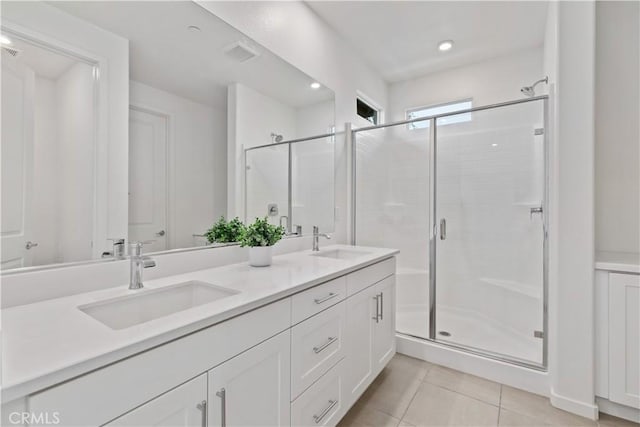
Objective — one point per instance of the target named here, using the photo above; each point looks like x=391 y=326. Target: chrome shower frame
x=433 y=226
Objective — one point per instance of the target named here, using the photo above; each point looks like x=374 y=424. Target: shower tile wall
x=393 y=211
x=490 y=173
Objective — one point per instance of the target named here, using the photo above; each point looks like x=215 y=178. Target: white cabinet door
x=624 y=339
x=361 y=310
x=384 y=331
x=183 y=406
x=253 y=388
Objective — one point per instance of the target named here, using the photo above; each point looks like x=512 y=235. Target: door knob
x=160 y=233
x=30 y=245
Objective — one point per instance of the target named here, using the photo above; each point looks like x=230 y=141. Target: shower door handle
x=443 y=229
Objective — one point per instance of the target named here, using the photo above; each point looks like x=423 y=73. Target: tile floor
x=411 y=392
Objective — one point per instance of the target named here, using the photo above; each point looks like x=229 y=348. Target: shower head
x=275 y=137
x=531 y=90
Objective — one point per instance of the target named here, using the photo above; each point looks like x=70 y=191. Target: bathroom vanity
x=293 y=344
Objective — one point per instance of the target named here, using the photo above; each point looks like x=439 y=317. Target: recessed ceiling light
x=5 y=40
x=494 y=145
x=445 y=45
x=193 y=28
x=315 y=85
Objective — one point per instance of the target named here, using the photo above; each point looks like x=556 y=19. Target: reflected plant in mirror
x=224 y=231
x=149 y=148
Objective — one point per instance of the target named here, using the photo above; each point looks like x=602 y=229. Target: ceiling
x=399 y=39
x=165 y=54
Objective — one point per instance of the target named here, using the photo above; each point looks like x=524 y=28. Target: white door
x=384 y=332
x=184 y=406
x=359 y=343
x=624 y=339
x=148 y=140
x=18 y=83
x=253 y=388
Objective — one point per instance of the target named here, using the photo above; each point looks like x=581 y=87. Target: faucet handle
x=135 y=248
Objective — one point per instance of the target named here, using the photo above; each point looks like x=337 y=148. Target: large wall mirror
x=202 y=96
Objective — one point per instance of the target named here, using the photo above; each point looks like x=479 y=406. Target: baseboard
x=617 y=410
x=587 y=410
x=505 y=373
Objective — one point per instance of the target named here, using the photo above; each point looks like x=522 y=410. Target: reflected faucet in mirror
x=118 y=251
x=178 y=134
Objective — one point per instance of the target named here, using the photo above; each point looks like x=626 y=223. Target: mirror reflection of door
x=18 y=83
x=148 y=141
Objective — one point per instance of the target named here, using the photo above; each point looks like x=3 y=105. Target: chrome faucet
x=316 y=238
x=138 y=264
x=118 y=251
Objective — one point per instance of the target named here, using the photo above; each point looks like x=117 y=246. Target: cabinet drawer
x=363 y=278
x=314 y=300
x=322 y=404
x=317 y=344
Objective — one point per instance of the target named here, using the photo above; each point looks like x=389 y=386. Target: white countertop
x=625 y=262
x=52 y=341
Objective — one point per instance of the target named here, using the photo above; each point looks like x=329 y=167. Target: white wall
x=617 y=131
x=322 y=54
x=571 y=300
x=45 y=173
x=75 y=163
x=197 y=161
x=486 y=82
x=315 y=119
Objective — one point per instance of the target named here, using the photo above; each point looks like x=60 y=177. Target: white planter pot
x=260 y=256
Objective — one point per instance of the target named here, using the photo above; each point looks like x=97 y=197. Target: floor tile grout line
x=415 y=393
x=463 y=394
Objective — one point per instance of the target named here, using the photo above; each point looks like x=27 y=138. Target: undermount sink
x=341 y=254
x=130 y=310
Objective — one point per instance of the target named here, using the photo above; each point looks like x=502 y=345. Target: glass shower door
x=489 y=206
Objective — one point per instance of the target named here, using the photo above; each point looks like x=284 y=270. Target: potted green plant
x=223 y=231
x=260 y=237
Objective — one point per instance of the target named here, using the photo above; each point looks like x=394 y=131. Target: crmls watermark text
x=35 y=418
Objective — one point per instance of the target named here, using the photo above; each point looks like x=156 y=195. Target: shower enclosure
x=463 y=195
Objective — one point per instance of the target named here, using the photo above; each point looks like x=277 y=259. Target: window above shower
x=449 y=107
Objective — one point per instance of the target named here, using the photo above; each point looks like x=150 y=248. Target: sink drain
x=444 y=333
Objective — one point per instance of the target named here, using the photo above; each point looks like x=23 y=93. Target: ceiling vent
x=241 y=51
x=11 y=50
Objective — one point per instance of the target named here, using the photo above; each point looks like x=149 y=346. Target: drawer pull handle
x=377 y=316
x=222 y=394
x=325 y=299
x=381 y=305
x=318 y=418
x=205 y=416
x=330 y=341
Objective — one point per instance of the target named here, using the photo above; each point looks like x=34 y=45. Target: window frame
x=412 y=126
